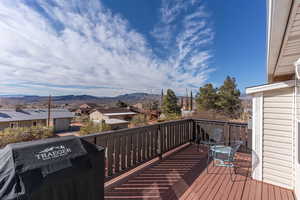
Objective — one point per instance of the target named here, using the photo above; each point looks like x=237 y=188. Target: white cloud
x=71 y=47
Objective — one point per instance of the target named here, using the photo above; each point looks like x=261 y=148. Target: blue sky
x=107 y=48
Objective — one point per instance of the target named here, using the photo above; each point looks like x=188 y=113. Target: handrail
x=162 y=123
x=221 y=121
x=130 y=147
x=132 y=129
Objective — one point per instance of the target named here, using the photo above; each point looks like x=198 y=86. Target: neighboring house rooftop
x=117 y=114
x=8 y=115
x=88 y=105
x=115 y=121
x=115 y=111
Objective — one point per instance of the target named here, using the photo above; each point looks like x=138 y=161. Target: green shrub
x=170 y=117
x=91 y=127
x=22 y=134
x=139 y=120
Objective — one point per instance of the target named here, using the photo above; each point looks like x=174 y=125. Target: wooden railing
x=231 y=132
x=128 y=148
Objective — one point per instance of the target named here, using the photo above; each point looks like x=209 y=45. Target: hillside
x=9 y=101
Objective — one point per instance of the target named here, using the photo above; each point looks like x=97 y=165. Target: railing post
x=159 y=142
x=249 y=139
x=227 y=134
x=194 y=131
x=190 y=130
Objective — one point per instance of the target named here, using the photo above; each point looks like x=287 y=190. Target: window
x=34 y=123
x=13 y=125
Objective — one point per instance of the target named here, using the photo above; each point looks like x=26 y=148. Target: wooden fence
x=128 y=148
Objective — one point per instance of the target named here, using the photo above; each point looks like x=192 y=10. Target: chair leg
x=207 y=162
x=231 y=173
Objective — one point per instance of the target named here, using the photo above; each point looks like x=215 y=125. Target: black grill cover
x=66 y=168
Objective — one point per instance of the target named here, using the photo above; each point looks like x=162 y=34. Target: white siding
x=297 y=149
x=278 y=137
x=298 y=102
x=62 y=124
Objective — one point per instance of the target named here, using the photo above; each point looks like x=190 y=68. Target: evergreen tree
x=191 y=101
x=229 y=98
x=154 y=105
x=121 y=104
x=170 y=105
x=207 y=97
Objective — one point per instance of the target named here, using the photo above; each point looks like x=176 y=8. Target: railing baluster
x=144 y=138
x=139 y=147
x=149 y=143
x=134 y=149
x=110 y=150
x=160 y=134
x=179 y=127
x=117 y=154
x=128 y=150
x=123 y=152
x=173 y=132
x=154 y=142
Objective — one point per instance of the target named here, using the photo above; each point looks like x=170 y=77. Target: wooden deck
x=183 y=175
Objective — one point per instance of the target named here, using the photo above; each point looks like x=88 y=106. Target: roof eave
x=279 y=12
x=269 y=87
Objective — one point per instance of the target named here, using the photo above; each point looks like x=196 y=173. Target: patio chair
x=224 y=155
x=216 y=137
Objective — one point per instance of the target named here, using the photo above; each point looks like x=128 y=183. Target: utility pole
x=181 y=102
x=49 y=110
x=162 y=97
x=191 y=101
x=187 y=99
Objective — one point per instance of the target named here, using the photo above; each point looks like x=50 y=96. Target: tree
x=154 y=105
x=170 y=105
x=121 y=104
x=207 y=97
x=91 y=127
x=229 y=98
x=139 y=120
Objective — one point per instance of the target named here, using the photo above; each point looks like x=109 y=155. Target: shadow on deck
x=183 y=175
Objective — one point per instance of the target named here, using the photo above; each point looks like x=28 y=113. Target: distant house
x=88 y=106
x=59 y=118
x=138 y=106
x=85 y=109
x=117 y=118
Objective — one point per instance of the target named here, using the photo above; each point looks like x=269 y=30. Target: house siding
x=26 y=123
x=96 y=115
x=278 y=137
x=4 y=125
x=298 y=102
x=62 y=124
x=297 y=144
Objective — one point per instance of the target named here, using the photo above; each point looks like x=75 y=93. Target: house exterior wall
x=257 y=128
x=96 y=115
x=297 y=143
x=118 y=126
x=122 y=117
x=61 y=124
x=4 y=125
x=27 y=123
x=277 y=137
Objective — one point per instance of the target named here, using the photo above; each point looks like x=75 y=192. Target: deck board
x=182 y=175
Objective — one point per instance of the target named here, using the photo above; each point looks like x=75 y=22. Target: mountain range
x=10 y=100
